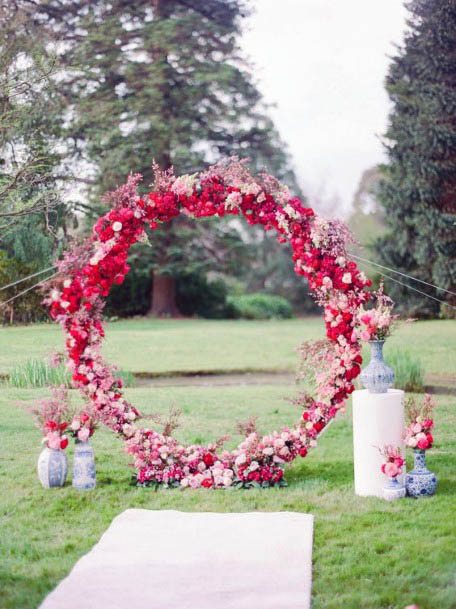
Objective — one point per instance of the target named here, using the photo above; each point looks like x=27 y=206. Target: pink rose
x=391 y=470
x=366 y=318
x=83 y=434
x=416 y=428
x=53 y=440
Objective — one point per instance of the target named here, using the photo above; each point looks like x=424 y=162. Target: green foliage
x=28 y=129
x=198 y=296
x=418 y=186
x=38 y=373
x=26 y=308
x=408 y=370
x=165 y=81
x=261 y=306
x=132 y=297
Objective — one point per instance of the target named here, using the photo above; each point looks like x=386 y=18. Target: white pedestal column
x=378 y=419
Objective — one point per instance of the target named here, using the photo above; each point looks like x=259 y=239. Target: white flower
x=127 y=429
x=117 y=226
x=184 y=185
x=64 y=304
x=292 y=212
x=55 y=294
x=346 y=278
x=254 y=465
x=67 y=283
x=241 y=459
x=282 y=221
x=233 y=200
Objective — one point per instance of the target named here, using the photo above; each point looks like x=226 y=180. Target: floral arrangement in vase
x=420 y=423
x=377 y=322
x=83 y=426
x=52 y=415
x=420 y=482
x=374 y=326
x=392 y=468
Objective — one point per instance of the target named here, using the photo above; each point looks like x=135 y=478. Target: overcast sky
x=323 y=62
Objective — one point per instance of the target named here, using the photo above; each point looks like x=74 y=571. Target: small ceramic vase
x=393 y=490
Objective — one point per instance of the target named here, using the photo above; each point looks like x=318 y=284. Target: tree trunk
x=163 y=296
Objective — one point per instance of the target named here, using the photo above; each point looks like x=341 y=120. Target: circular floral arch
x=88 y=271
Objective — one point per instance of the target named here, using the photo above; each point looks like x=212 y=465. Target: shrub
x=261 y=306
x=198 y=296
x=407 y=369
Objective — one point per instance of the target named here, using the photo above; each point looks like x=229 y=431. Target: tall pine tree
x=163 y=80
x=418 y=189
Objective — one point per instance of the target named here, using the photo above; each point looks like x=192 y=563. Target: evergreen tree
x=27 y=129
x=418 y=189
x=163 y=80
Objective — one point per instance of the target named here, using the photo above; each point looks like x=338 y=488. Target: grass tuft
x=408 y=370
x=36 y=373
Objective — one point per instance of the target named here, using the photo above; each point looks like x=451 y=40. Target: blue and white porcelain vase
x=420 y=482
x=84 y=476
x=52 y=467
x=393 y=490
x=377 y=377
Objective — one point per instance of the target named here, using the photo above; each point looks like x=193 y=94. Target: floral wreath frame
x=87 y=272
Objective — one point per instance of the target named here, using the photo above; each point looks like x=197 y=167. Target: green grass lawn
x=162 y=346
x=368 y=554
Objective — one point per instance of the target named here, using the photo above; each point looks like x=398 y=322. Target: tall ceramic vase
x=52 y=467
x=420 y=482
x=84 y=476
x=377 y=377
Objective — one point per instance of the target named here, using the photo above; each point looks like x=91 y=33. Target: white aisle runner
x=176 y=560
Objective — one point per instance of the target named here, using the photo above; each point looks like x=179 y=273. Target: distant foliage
x=408 y=371
x=200 y=297
x=26 y=308
x=261 y=306
x=418 y=190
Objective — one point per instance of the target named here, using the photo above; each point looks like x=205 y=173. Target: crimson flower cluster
x=88 y=272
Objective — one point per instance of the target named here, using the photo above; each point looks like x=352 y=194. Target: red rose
x=208 y=460
x=63 y=443
x=207 y=482
x=52 y=425
x=303 y=451
x=423 y=444
x=318 y=426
